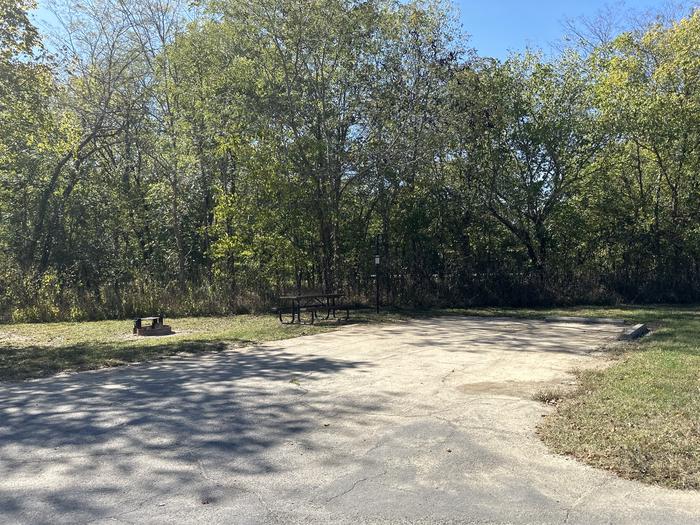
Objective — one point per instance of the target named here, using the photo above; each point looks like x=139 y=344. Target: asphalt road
x=427 y=421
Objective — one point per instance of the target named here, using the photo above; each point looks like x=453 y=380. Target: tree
x=341 y=93
x=648 y=95
x=531 y=143
x=204 y=158
x=25 y=145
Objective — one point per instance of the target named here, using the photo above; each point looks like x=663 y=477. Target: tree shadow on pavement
x=223 y=408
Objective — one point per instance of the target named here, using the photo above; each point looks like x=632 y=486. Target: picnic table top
x=311 y=295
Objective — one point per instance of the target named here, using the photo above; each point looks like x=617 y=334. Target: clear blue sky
x=498 y=26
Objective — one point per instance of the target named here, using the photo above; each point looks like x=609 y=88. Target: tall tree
x=533 y=142
x=648 y=95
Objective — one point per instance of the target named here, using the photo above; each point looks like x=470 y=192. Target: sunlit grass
x=640 y=417
x=34 y=350
x=40 y=349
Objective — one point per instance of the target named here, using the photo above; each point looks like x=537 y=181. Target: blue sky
x=498 y=26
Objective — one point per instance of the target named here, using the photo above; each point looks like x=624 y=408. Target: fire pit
x=156 y=326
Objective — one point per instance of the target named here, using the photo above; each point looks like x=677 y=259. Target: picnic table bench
x=312 y=303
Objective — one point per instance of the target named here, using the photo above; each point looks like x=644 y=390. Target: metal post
x=376 y=272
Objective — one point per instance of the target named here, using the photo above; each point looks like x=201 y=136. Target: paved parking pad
x=422 y=421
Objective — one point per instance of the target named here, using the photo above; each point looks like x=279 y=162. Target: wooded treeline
x=159 y=156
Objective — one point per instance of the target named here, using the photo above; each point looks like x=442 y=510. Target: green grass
x=41 y=349
x=639 y=417
x=33 y=350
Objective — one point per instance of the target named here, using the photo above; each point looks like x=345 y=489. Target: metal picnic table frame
x=311 y=302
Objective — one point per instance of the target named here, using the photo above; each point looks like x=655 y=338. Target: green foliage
x=209 y=159
x=531 y=147
x=647 y=94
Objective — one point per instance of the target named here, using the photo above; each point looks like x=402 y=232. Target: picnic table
x=313 y=303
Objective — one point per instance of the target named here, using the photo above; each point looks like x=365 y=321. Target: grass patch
x=550 y=395
x=33 y=350
x=640 y=417
x=41 y=349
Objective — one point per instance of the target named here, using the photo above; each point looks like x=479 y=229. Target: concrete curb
x=585 y=320
x=637 y=331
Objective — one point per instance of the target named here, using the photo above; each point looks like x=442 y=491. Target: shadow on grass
x=26 y=362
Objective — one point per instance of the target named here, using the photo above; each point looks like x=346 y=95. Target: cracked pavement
x=422 y=421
